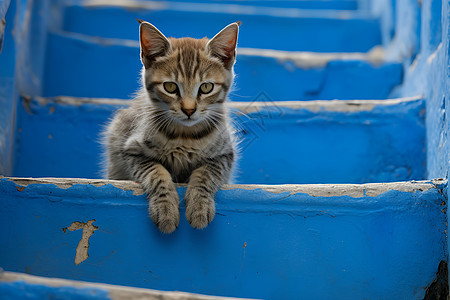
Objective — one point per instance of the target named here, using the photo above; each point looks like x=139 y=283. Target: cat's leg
x=164 y=204
x=202 y=187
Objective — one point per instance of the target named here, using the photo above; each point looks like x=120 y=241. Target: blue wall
x=424 y=30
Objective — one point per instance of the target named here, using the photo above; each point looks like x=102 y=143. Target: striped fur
x=177 y=136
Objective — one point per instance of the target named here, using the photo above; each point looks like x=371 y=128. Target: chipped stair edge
x=308 y=60
x=245 y=107
x=114 y=292
x=313 y=190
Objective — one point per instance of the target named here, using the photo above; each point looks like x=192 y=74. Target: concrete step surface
x=377 y=241
x=267 y=28
x=114 y=65
x=354 y=141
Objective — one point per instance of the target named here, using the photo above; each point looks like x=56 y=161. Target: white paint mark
x=434 y=54
x=83 y=246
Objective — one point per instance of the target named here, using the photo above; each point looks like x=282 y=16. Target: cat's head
x=189 y=77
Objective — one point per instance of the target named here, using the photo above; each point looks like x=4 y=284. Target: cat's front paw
x=200 y=208
x=165 y=212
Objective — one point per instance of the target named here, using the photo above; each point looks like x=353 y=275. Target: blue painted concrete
x=381 y=247
x=383 y=144
x=22 y=290
x=338 y=79
x=283 y=30
x=387 y=246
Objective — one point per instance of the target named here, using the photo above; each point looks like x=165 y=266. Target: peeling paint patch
x=65 y=183
x=83 y=246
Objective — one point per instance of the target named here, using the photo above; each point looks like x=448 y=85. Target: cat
x=177 y=129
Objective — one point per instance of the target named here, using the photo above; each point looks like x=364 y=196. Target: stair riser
x=81 y=67
x=343 y=32
x=279 y=145
x=382 y=247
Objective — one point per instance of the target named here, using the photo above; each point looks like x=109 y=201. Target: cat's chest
x=179 y=153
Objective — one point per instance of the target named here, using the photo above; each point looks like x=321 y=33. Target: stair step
x=75 y=62
x=377 y=241
x=267 y=28
x=15 y=285
x=300 y=4
x=352 y=141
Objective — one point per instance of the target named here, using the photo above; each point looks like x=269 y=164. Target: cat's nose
x=188 y=112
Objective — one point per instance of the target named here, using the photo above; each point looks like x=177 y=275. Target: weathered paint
x=426 y=76
x=333 y=141
x=383 y=246
x=15 y=286
x=320 y=76
x=270 y=28
x=88 y=230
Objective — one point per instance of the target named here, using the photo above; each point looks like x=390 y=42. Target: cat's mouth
x=188 y=121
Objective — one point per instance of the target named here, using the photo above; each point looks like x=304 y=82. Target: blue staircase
x=340 y=109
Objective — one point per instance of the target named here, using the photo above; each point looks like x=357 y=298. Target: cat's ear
x=153 y=43
x=223 y=45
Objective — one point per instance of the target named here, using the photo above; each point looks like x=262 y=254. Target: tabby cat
x=177 y=129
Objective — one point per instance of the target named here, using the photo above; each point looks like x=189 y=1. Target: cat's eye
x=170 y=87
x=206 y=88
